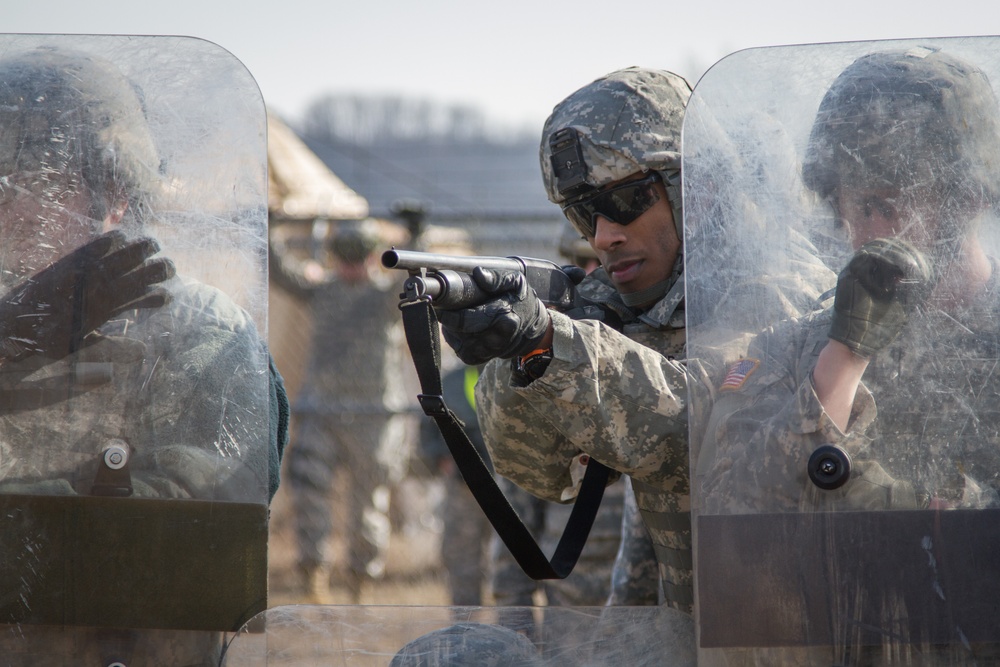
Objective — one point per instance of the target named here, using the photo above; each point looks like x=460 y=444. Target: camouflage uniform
x=635 y=577
x=620 y=399
x=922 y=429
x=186 y=388
x=344 y=412
x=767 y=428
x=639 y=429
x=187 y=444
x=923 y=426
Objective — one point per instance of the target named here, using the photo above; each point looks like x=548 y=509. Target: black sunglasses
x=621 y=204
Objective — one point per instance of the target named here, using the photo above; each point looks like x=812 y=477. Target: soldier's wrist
x=529 y=367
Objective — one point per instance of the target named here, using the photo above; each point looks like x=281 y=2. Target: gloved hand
x=881 y=285
x=512 y=323
x=52 y=312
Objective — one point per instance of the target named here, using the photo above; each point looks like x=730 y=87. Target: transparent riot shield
x=853 y=523
x=430 y=636
x=134 y=391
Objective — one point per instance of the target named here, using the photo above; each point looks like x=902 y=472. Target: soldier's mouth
x=625 y=271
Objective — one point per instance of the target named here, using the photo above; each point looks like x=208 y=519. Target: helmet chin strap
x=647 y=296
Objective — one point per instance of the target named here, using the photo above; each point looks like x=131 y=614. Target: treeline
x=369 y=120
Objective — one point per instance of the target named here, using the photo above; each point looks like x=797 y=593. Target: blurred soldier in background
x=573 y=248
x=344 y=412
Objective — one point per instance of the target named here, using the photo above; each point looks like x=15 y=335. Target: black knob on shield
x=829 y=467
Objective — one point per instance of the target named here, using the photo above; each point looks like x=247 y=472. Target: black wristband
x=532 y=366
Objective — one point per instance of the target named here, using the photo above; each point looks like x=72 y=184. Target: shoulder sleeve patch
x=738 y=373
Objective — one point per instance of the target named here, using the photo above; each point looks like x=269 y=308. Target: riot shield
x=134 y=378
x=456 y=636
x=849 y=528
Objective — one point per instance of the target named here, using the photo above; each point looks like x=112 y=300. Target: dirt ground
x=413 y=573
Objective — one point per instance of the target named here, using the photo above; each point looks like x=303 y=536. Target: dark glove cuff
x=534 y=363
x=530 y=367
x=534 y=333
x=865 y=339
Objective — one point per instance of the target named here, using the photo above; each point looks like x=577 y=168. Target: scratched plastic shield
x=134 y=463
x=876 y=542
x=378 y=636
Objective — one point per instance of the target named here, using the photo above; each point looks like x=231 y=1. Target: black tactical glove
x=52 y=312
x=510 y=324
x=881 y=285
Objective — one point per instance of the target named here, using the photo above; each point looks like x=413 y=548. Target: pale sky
x=513 y=59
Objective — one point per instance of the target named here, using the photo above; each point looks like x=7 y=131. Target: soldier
x=107 y=356
x=102 y=176
x=634 y=576
x=919 y=263
x=904 y=150
x=559 y=390
x=605 y=560
x=344 y=410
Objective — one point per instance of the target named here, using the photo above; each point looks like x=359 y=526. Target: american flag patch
x=738 y=373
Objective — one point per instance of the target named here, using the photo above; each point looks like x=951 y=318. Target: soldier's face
x=874 y=213
x=642 y=253
x=43 y=216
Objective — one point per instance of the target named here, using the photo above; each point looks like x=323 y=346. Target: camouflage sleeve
x=603 y=394
x=512 y=431
x=765 y=424
x=202 y=428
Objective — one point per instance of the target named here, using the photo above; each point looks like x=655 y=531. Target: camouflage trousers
x=324 y=446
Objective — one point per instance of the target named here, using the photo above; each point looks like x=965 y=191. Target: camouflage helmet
x=469 y=645
x=72 y=112
x=628 y=122
x=354 y=242
x=903 y=118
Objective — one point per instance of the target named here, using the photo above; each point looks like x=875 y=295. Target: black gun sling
x=423 y=338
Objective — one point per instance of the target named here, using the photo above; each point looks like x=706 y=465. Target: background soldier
x=344 y=410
